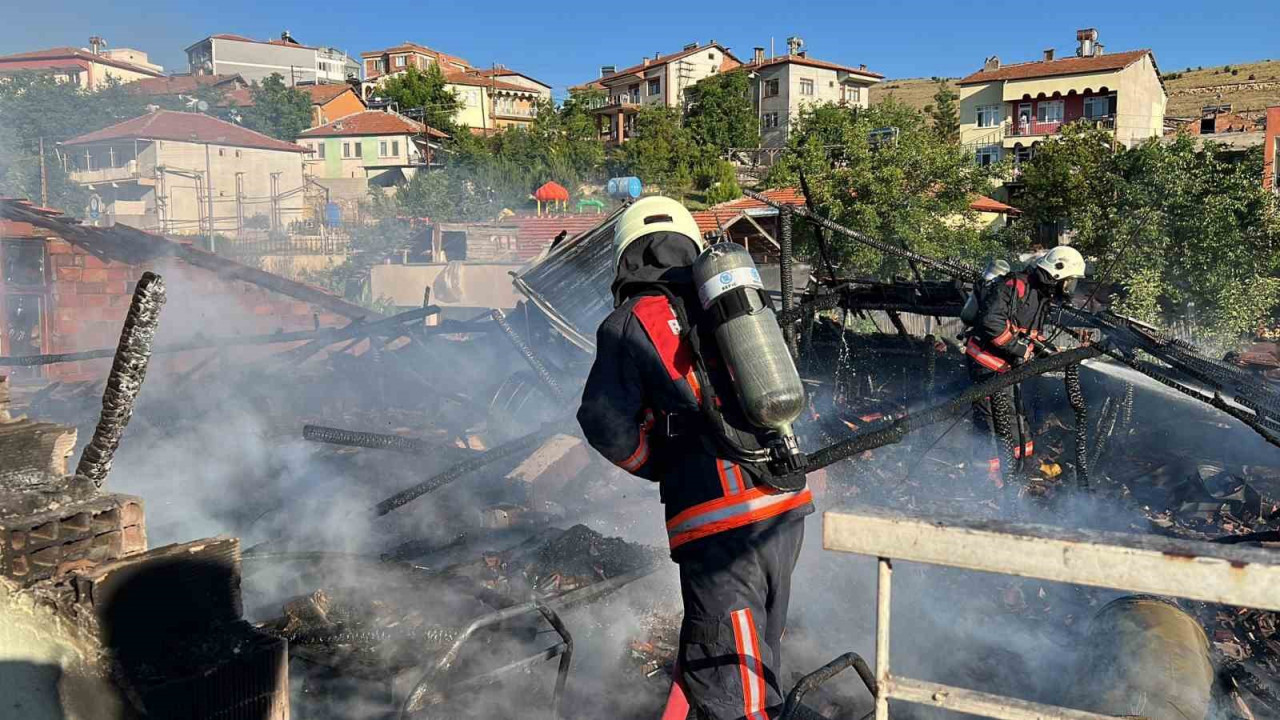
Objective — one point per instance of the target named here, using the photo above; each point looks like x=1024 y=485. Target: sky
x=566 y=43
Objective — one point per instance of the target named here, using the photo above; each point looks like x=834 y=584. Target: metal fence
x=287 y=245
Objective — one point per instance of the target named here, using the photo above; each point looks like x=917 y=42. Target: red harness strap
x=659 y=321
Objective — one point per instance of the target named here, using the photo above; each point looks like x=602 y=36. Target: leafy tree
x=35 y=106
x=914 y=188
x=424 y=91
x=943 y=112
x=720 y=180
x=661 y=151
x=1176 y=226
x=719 y=114
x=277 y=110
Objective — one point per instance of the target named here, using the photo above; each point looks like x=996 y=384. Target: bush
x=1235 y=72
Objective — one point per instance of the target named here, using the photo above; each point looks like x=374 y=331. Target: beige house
x=86 y=68
x=1005 y=110
x=660 y=80
x=187 y=173
x=784 y=85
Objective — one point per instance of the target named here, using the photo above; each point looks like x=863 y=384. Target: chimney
x=803 y=53
x=1048 y=55
x=758 y=57
x=646 y=62
x=794 y=43
x=863 y=66
x=992 y=63
x=607 y=70
x=285 y=36
x=1097 y=49
x=97 y=43
x=1087 y=37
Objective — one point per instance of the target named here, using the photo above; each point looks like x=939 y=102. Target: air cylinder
x=750 y=340
x=1145 y=657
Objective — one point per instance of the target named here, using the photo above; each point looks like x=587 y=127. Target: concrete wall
x=1140 y=103
x=259 y=60
x=179 y=197
x=335 y=166
x=475 y=111
x=828 y=87
x=971 y=98
x=469 y=284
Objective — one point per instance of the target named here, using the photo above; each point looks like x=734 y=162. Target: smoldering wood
x=34 y=454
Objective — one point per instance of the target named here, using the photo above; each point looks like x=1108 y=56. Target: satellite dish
x=202 y=106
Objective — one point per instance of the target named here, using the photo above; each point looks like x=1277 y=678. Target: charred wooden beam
x=125 y=381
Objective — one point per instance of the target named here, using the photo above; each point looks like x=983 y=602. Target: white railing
x=128 y=171
x=1231 y=575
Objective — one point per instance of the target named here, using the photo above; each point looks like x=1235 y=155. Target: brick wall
x=89 y=298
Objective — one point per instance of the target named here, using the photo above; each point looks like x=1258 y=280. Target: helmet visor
x=1069 y=285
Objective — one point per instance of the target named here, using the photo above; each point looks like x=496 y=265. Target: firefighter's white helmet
x=1062 y=263
x=652 y=214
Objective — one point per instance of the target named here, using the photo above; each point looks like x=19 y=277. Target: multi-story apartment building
x=256 y=60
x=782 y=86
x=187 y=173
x=659 y=80
x=492 y=99
x=88 y=68
x=1005 y=110
x=1271 y=150
x=383 y=148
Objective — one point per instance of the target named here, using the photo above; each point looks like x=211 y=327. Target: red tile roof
x=712 y=217
x=371 y=122
x=982 y=203
x=508 y=72
x=241 y=38
x=664 y=59
x=415 y=47
x=185 y=127
x=1054 y=68
x=810 y=62
x=54 y=55
x=319 y=94
x=179 y=84
x=469 y=77
x=534 y=234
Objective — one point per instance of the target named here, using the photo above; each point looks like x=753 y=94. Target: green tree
x=720 y=180
x=719 y=114
x=660 y=151
x=912 y=187
x=33 y=106
x=424 y=91
x=943 y=112
x=1178 y=227
x=277 y=110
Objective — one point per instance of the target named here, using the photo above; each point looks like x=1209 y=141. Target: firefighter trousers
x=987 y=429
x=736 y=590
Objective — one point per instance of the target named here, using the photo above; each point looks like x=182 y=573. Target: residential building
x=515 y=77
x=490 y=104
x=329 y=102
x=380 y=64
x=1271 y=150
x=784 y=85
x=187 y=173
x=256 y=60
x=381 y=148
x=659 y=80
x=1005 y=110
x=88 y=68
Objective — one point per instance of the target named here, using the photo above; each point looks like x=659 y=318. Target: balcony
x=127 y=172
x=1036 y=128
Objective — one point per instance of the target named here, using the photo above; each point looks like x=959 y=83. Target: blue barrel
x=624 y=187
x=333 y=214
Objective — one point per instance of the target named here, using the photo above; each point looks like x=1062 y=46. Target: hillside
x=1246 y=86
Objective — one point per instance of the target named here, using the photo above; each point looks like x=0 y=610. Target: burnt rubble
x=426 y=533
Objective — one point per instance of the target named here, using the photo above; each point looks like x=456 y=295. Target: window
x=655 y=86
x=357 y=147
x=23 y=262
x=770 y=120
x=23 y=271
x=346 y=150
x=851 y=94
x=237 y=153
x=634 y=93
x=771 y=88
x=1100 y=107
x=988 y=155
x=382 y=149
x=990 y=115
x=806 y=87
x=471 y=96
x=221 y=153
x=320 y=149
x=395 y=148
x=1049 y=111
x=399 y=61
x=711 y=56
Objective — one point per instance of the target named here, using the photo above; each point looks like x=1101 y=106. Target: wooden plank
x=1233 y=575
x=33 y=453
x=973 y=702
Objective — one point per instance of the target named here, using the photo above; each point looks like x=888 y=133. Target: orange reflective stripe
x=750 y=667
x=692 y=378
x=641 y=454
x=730 y=477
x=1026 y=450
x=1005 y=336
x=732 y=512
x=984 y=358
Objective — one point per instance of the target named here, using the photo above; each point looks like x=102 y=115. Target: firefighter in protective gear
x=735 y=538
x=1009 y=324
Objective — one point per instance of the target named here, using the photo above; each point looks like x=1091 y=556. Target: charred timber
x=376 y=441
x=408 y=495
x=788 y=282
x=549 y=382
x=128 y=370
x=1075 y=396
x=899 y=428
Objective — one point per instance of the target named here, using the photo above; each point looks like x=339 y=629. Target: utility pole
x=44 y=178
x=208 y=188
